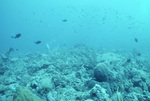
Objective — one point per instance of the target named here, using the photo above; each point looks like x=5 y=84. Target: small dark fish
x=128 y=60
x=17 y=36
x=37 y=42
x=138 y=54
x=64 y=20
x=135 y=39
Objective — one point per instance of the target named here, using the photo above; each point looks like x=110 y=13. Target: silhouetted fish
x=37 y=42
x=17 y=36
x=64 y=20
x=128 y=60
x=135 y=39
x=139 y=54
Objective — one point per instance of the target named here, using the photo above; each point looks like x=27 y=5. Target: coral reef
x=79 y=73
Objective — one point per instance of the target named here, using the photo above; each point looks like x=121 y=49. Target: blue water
x=111 y=24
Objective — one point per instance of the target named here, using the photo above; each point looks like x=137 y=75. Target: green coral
x=24 y=94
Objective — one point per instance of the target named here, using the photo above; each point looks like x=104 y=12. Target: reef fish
x=37 y=42
x=135 y=39
x=17 y=36
x=64 y=20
